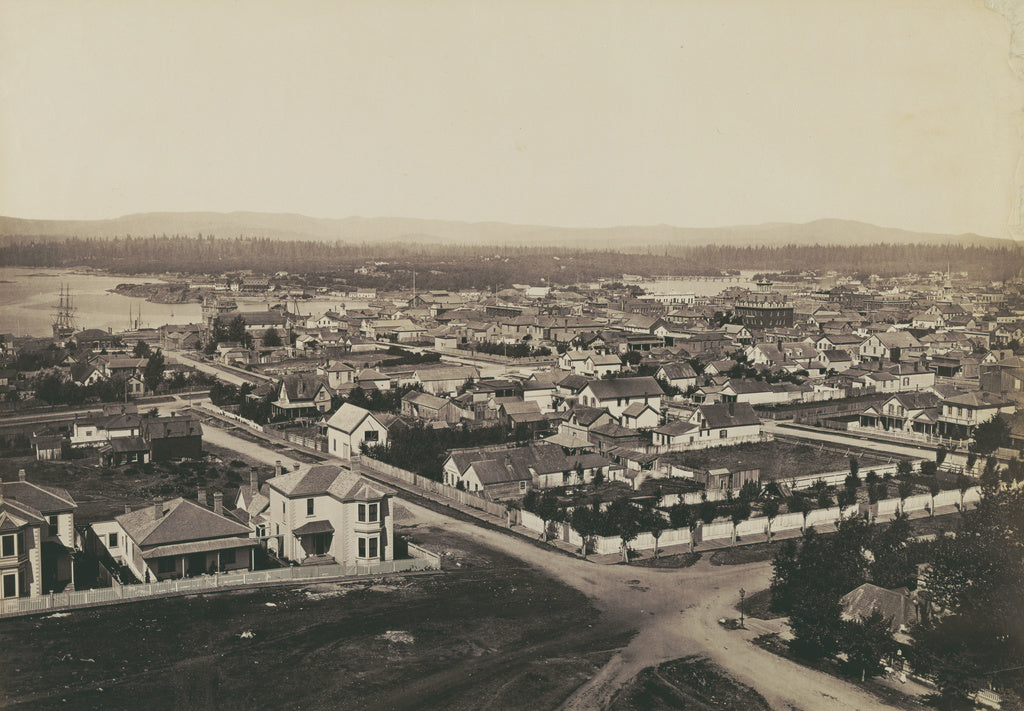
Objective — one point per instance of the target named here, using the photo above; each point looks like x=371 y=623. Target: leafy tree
x=625 y=520
x=584 y=522
x=679 y=515
x=867 y=643
x=749 y=491
x=799 y=504
x=990 y=435
x=547 y=509
x=707 y=511
x=141 y=350
x=892 y=566
x=770 y=510
x=928 y=468
x=851 y=482
x=904 y=489
x=740 y=511
x=655 y=523
x=933 y=489
x=854 y=466
x=271 y=338
x=153 y=373
x=940 y=456
x=904 y=469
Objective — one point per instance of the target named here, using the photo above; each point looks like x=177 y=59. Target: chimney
x=218 y=503
x=127 y=508
x=278 y=469
x=203 y=501
x=1 y=491
x=297 y=465
x=21 y=475
x=156 y=512
x=732 y=408
x=254 y=482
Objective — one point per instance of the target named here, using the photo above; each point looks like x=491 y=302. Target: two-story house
x=618 y=394
x=37 y=538
x=352 y=426
x=325 y=511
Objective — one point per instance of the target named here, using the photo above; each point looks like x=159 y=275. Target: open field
x=490 y=632
x=776 y=459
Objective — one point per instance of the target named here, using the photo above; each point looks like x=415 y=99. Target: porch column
x=218 y=562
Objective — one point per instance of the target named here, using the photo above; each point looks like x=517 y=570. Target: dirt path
x=677 y=613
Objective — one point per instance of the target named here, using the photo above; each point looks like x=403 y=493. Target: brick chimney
x=297 y=465
x=203 y=500
x=21 y=475
x=254 y=482
x=127 y=508
x=278 y=469
x=156 y=512
x=218 y=503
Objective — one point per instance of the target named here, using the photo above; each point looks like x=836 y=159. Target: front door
x=196 y=564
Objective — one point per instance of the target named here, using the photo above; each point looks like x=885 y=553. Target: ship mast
x=64 y=318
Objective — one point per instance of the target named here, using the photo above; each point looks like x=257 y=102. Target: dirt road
x=677 y=613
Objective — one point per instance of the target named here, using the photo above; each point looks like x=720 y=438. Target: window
x=282 y=508
x=10 y=587
x=367 y=547
x=52 y=527
x=722 y=434
x=522 y=486
x=8 y=545
x=371 y=512
x=112 y=540
x=228 y=557
x=361 y=517
x=165 y=565
x=371 y=436
x=309 y=507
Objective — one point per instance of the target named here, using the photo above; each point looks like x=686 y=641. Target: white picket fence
x=723 y=529
x=103 y=596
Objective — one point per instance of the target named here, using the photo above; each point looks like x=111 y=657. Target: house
x=897 y=606
x=640 y=416
x=336 y=373
x=962 y=413
x=323 y=511
x=675 y=435
x=444 y=380
x=892 y=346
x=726 y=423
x=302 y=395
x=37 y=538
x=174 y=437
x=618 y=394
x=614 y=436
x=428 y=407
x=914 y=412
x=177 y=539
x=367 y=378
x=678 y=375
x=522 y=416
x=351 y=427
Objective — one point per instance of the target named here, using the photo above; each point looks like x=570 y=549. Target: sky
x=901 y=113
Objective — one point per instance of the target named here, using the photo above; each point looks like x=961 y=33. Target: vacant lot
x=776 y=460
x=488 y=633
x=102 y=492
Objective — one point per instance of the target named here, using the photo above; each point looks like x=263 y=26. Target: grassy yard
x=687 y=683
x=776 y=459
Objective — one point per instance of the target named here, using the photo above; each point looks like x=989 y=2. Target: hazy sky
x=903 y=113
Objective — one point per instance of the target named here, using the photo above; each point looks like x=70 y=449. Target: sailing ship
x=64 y=317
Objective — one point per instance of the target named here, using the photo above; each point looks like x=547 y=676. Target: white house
x=618 y=394
x=350 y=427
x=324 y=511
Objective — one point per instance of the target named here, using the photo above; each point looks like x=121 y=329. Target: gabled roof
x=613 y=430
x=676 y=371
x=675 y=428
x=732 y=414
x=636 y=409
x=177 y=521
x=978 y=399
x=327 y=480
x=348 y=417
x=625 y=387
x=303 y=386
x=895 y=605
x=44 y=499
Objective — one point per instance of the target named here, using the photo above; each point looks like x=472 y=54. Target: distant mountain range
x=384 y=229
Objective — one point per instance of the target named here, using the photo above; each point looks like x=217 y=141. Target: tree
x=904 y=469
x=854 y=466
x=584 y=522
x=271 y=338
x=656 y=525
x=851 y=482
x=940 y=456
x=679 y=515
x=770 y=510
x=547 y=510
x=153 y=373
x=800 y=504
x=708 y=510
x=928 y=468
x=867 y=643
x=141 y=350
x=933 y=489
x=991 y=435
x=625 y=520
x=904 y=489
x=740 y=511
